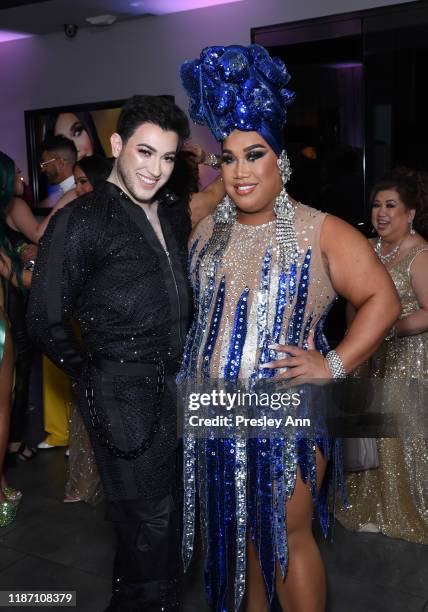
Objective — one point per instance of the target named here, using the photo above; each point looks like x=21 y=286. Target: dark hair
x=158 y=110
x=96 y=169
x=184 y=180
x=412 y=187
x=7 y=191
x=60 y=144
x=7 y=182
x=85 y=118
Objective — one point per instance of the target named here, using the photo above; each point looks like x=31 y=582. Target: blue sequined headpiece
x=239 y=88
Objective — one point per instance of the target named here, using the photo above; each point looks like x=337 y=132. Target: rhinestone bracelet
x=335 y=364
x=212 y=160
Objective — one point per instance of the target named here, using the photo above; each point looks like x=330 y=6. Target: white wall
x=140 y=56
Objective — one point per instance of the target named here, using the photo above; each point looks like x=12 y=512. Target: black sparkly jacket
x=101 y=264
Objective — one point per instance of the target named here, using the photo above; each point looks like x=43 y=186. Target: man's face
x=50 y=167
x=145 y=163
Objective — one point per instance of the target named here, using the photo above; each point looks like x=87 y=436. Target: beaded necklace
x=389 y=256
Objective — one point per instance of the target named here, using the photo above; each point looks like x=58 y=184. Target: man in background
x=57 y=160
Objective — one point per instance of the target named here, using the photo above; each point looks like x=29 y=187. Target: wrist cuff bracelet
x=336 y=365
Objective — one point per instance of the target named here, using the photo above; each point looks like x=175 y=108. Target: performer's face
x=145 y=162
x=390 y=216
x=251 y=176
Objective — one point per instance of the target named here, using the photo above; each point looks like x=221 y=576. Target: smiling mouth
x=382 y=224
x=150 y=182
x=245 y=189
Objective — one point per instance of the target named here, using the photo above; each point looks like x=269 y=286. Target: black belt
x=157 y=371
x=131 y=368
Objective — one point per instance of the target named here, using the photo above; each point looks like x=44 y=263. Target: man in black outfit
x=114 y=261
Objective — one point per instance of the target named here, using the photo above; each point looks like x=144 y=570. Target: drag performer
x=114 y=261
x=265 y=270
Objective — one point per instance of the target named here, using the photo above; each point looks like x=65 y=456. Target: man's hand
x=195 y=151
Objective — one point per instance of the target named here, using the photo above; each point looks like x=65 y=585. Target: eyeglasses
x=45 y=163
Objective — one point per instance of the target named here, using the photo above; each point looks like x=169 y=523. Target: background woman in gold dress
x=393 y=498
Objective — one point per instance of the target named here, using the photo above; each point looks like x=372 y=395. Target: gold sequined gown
x=83 y=481
x=394 y=497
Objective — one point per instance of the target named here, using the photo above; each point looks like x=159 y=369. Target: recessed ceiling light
x=101 y=20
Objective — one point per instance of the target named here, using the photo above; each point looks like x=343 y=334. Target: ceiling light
x=101 y=20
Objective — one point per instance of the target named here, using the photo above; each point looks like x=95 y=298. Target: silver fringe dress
x=242 y=486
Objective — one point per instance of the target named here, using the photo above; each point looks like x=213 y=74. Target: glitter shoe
x=8 y=510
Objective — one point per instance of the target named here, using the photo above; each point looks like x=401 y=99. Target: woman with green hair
x=9 y=178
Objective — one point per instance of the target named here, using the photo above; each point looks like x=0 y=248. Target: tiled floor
x=53 y=545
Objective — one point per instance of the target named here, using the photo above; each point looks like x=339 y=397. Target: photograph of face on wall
x=89 y=126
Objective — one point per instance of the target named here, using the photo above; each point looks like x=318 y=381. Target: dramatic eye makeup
x=252 y=154
x=227 y=158
x=256 y=154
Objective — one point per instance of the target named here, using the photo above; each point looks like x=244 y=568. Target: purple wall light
x=163 y=7
x=6 y=35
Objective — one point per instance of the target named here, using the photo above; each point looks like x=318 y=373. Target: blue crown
x=239 y=88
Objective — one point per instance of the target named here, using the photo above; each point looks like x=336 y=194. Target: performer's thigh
x=300 y=506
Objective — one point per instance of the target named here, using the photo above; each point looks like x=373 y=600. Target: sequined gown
x=240 y=309
x=394 y=496
x=83 y=480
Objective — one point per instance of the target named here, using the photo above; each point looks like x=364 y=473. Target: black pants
x=147 y=563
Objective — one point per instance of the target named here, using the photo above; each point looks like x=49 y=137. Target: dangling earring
x=289 y=251
x=411 y=229
x=224 y=218
x=284 y=167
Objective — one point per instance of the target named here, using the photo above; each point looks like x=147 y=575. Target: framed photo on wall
x=89 y=126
